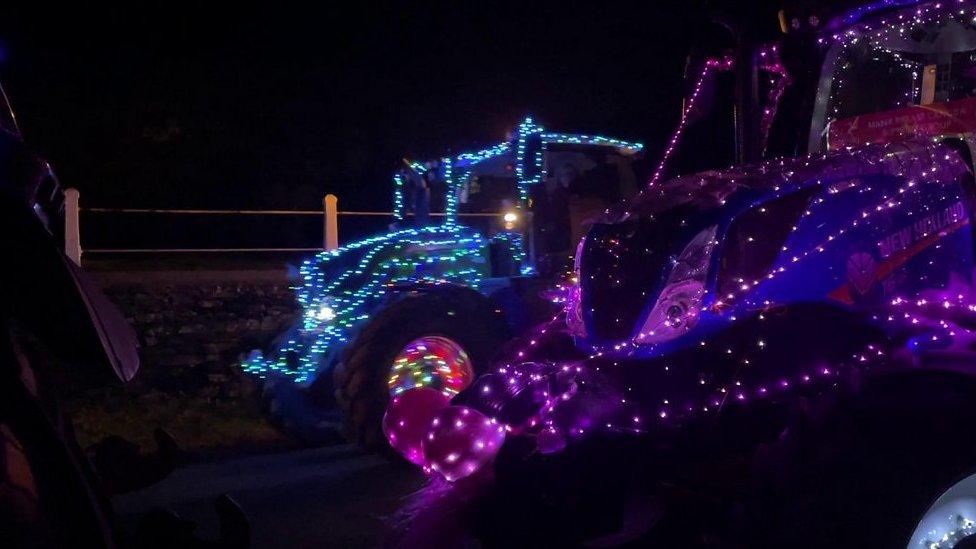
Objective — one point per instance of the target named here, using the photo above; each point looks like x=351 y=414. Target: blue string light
x=467 y=159
x=334 y=307
x=591 y=140
x=397 y=197
x=527 y=129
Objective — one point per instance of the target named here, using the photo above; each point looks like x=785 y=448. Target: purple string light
x=712 y=65
x=780 y=79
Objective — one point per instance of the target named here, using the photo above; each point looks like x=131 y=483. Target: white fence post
x=331 y=234
x=72 y=227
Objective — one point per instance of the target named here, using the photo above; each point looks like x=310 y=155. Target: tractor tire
x=460 y=315
x=863 y=471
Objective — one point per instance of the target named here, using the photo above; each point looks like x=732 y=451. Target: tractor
x=777 y=353
x=430 y=303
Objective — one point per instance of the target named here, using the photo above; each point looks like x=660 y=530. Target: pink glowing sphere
x=461 y=440
x=407 y=420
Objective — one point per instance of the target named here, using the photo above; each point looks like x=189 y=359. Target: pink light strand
x=711 y=65
x=770 y=62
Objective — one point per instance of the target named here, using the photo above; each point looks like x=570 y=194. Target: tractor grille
x=621 y=267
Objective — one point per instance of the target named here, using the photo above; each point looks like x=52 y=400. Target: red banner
x=953 y=117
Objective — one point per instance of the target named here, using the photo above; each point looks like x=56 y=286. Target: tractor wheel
x=863 y=471
x=441 y=339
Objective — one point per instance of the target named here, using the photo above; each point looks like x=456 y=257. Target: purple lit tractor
x=773 y=354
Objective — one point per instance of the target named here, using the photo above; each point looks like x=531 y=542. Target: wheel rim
x=437 y=362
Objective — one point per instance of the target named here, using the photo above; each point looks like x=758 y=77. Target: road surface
x=336 y=496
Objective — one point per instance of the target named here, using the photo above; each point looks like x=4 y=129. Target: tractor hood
x=647 y=271
x=627 y=258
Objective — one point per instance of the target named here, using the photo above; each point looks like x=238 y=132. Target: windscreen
x=901 y=77
x=487 y=194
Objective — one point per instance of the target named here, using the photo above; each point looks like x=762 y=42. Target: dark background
x=274 y=106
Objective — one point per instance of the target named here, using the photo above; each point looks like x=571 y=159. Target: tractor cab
x=885 y=82
x=825 y=80
x=534 y=195
x=872 y=104
x=876 y=74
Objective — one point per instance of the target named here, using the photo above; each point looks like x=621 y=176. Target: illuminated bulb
x=325 y=313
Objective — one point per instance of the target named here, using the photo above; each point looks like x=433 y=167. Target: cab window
x=578 y=185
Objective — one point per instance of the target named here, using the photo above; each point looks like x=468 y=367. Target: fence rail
x=266 y=212
x=329 y=212
x=202 y=212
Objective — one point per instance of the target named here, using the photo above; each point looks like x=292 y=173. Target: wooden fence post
x=331 y=233
x=72 y=226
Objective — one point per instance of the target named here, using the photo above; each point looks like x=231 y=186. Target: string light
x=711 y=67
x=779 y=80
x=467 y=159
x=527 y=129
x=431 y=361
x=592 y=141
x=398 y=197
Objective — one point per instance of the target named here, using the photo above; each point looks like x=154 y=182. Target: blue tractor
x=431 y=302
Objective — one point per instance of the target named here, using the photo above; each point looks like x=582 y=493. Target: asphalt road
x=337 y=496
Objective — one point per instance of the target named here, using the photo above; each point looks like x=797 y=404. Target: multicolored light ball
x=437 y=362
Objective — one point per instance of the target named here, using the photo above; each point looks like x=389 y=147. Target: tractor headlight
x=678 y=306
x=510 y=219
x=325 y=313
x=319 y=315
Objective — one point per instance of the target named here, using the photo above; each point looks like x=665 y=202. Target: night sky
x=275 y=106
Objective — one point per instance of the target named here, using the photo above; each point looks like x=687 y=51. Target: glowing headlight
x=679 y=304
x=510 y=219
x=325 y=313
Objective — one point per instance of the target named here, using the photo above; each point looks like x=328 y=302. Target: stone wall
x=202 y=329
x=194 y=327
